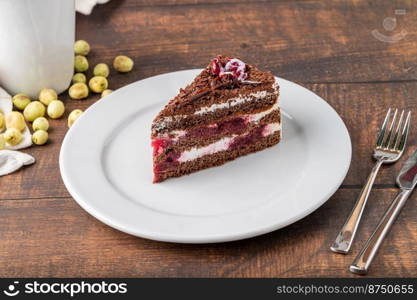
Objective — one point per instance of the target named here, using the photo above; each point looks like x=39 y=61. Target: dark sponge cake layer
x=191 y=121
x=219 y=158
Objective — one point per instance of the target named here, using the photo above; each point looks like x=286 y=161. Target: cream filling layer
x=238 y=100
x=257 y=117
x=222 y=144
x=163 y=122
x=250 y=118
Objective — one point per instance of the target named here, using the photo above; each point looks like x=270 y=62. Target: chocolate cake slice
x=229 y=110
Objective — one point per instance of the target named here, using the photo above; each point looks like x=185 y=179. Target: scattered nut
x=81 y=47
x=106 y=92
x=123 y=63
x=2 y=142
x=40 y=123
x=79 y=77
x=20 y=101
x=73 y=116
x=2 y=122
x=34 y=110
x=40 y=137
x=13 y=136
x=46 y=96
x=80 y=63
x=15 y=119
x=56 y=109
x=101 y=70
x=98 y=84
x=78 y=91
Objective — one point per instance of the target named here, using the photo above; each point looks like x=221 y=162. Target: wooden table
x=327 y=46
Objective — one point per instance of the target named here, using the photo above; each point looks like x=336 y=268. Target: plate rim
x=206 y=239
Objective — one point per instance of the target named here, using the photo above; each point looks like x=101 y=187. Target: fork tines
x=388 y=139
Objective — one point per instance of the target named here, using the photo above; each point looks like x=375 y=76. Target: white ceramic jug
x=36 y=45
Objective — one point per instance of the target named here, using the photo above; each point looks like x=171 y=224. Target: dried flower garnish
x=234 y=68
x=229 y=74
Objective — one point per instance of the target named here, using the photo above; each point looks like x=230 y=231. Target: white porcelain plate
x=106 y=164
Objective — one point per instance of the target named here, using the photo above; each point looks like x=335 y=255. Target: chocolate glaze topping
x=214 y=87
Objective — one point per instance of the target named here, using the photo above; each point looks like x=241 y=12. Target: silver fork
x=389 y=148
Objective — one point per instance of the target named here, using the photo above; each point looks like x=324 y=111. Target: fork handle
x=346 y=235
x=361 y=263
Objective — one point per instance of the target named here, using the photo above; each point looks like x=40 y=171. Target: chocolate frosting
x=208 y=88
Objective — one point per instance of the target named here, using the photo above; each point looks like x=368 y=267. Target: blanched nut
x=106 y=93
x=101 y=70
x=81 y=47
x=2 y=142
x=46 y=96
x=40 y=137
x=98 y=84
x=13 y=136
x=34 y=110
x=73 y=116
x=56 y=109
x=2 y=122
x=20 y=101
x=40 y=124
x=15 y=119
x=123 y=63
x=79 y=77
x=78 y=91
x=80 y=63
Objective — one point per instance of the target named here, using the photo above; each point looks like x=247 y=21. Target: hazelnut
x=123 y=63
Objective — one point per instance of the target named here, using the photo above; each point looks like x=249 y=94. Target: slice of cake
x=229 y=110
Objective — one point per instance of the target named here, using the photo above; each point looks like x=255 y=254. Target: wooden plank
x=325 y=45
x=132 y=28
x=57 y=238
x=361 y=106
x=142 y=3
x=307 y=41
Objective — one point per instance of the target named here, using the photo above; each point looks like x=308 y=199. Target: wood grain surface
x=326 y=46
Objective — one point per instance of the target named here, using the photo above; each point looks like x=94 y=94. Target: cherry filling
x=159 y=145
x=234 y=126
x=248 y=139
x=170 y=162
x=239 y=142
x=233 y=67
